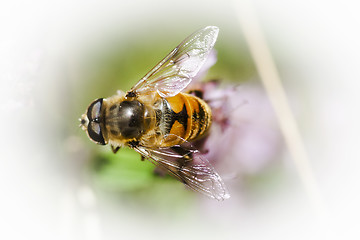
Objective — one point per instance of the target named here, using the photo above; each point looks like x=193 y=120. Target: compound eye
x=95 y=133
x=94 y=110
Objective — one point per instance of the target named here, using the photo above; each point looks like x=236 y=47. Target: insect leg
x=114 y=149
x=197 y=93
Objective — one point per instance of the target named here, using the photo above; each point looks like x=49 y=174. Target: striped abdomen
x=186 y=116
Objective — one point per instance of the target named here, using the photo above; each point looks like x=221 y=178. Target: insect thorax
x=127 y=119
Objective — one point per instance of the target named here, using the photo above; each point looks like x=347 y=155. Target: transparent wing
x=190 y=167
x=172 y=74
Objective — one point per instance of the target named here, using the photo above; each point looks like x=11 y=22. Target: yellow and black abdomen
x=187 y=116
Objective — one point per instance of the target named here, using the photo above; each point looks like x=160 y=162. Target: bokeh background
x=58 y=56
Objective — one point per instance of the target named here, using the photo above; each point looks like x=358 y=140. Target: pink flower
x=244 y=137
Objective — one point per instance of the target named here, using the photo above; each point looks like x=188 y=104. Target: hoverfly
x=159 y=121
